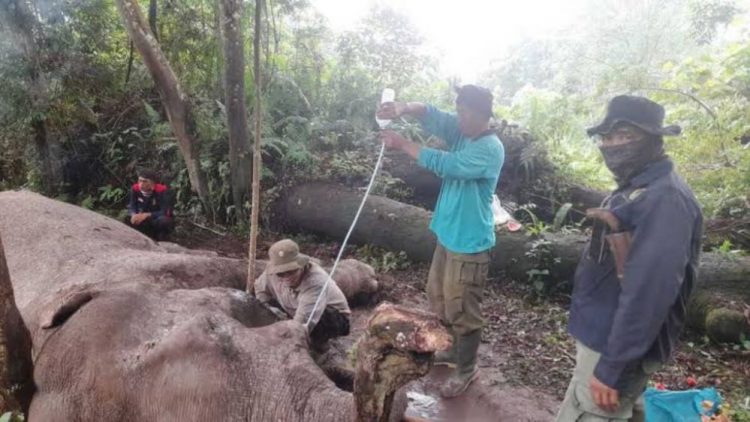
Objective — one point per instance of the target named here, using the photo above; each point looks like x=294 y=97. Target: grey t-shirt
x=301 y=301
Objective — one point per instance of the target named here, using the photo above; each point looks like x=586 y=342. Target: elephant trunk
x=397 y=348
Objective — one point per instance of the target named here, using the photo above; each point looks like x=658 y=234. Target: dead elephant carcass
x=123 y=330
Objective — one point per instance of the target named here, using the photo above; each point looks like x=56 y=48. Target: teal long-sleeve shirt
x=470 y=170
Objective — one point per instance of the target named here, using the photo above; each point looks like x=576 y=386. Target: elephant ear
x=61 y=309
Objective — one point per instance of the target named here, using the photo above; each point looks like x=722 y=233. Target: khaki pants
x=579 y=406
x=454 y=288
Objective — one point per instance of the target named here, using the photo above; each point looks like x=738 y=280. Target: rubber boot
x=466 y=365
x=447 y=357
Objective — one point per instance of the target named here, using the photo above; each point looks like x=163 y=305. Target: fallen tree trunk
x=723 y=322
x=329 y=209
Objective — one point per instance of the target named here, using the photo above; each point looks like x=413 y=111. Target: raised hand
x=391 y=110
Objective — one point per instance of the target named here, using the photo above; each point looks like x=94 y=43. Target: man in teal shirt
x=462 y=222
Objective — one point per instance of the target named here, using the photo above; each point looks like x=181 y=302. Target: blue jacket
x=639 y=317
x=470 y=170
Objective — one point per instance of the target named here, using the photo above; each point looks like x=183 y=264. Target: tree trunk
x=173 y=97
x=153 y=10
x=16 y=367
x=252 y=250
x=717 y=319
x=234 y=89
x=328 y=210
x=21 y=16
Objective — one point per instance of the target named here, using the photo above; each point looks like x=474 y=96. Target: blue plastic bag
x=679 y=406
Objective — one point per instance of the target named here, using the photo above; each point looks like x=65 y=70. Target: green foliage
x=707 y=94
x=535 y=225
x=349 y=166
x=321 y=91
x=728 y=249
x=539 y=276
x=12 y=417
x=391 y=187
x=107 y=115
x=557 y=122
x=541 y=254
x=111 y=195
x=709 y=154
x=560 y=216
x=381 y=260
x=725 y=247
x=739 y=414
x=707 y=15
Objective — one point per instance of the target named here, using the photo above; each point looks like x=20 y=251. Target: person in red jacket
x=149 y=207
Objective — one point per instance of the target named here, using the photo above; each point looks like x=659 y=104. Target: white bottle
x=387 y=96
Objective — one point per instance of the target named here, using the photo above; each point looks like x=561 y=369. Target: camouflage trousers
x=454 y=288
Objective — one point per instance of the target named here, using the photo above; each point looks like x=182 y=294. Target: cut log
x=328 y=210
x=717 y=318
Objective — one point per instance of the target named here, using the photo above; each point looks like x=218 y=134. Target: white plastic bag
x=498 y=212
x=502 y=217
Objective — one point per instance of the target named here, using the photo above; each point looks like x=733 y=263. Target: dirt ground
x=526 y=357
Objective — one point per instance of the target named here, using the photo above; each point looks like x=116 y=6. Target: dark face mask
x=627 y=160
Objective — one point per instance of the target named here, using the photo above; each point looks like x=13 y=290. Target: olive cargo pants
x=454 y=288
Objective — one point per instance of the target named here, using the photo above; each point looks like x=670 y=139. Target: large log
x=328 y=210
x=723 y=322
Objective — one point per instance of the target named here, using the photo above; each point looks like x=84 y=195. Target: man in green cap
x=293 y=282
x=462 y=222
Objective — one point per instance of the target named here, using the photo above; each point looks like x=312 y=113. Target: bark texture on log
x=722 y=324
x=16 y=367
x=172 y=95
x=329 y=210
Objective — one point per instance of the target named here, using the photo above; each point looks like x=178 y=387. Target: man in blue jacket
x=149 y=207
x=462 y=220
x=626 y=318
